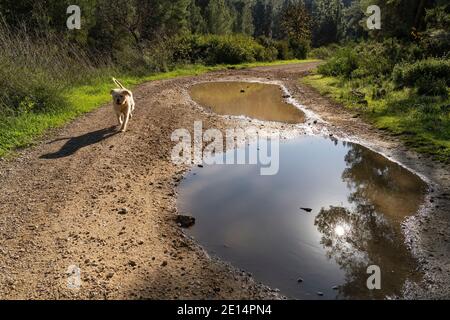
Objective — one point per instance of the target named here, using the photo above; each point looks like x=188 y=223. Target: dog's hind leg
x=132 y=109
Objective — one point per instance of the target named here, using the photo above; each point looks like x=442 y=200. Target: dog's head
x=119 y=96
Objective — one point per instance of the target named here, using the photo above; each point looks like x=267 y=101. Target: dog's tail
x=118 y=83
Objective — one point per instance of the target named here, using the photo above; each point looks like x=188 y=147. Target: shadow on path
x=75 y=143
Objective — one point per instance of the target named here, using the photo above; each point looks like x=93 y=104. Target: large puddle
x=252 y=99
x=358 y=200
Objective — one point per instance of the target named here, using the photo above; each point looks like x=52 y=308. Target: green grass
x=423 y=123
x=25 y=129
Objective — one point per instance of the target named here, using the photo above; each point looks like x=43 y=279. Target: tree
x=296 y=26
x=142 y=20
x=196 y=22
x=436 y=36
x=401 y=18
x=296 y=22
x=328 y=21
x=268 y=20
x=243 y=22
x=258 y=18
x=102 y=35
x=218 y=17
x=263 y=18
x=163 y=17
x=123 y=18
x=279 y=7
x=352 y=26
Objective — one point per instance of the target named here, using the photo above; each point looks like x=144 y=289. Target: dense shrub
x=377 y=58
x=435 y=39
x=408 y=74
x=431 y=86
x=299 y=48
x=221 y=49
x=284 y=51
x=436 y=43
x=430 y=76
x=324 y=53
x=343 y=63
x=369 y=59
x=270 y=45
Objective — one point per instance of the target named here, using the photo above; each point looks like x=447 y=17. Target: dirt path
x=106 y=203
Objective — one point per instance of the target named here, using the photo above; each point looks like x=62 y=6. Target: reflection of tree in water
x=391 y=189
x=369 y=232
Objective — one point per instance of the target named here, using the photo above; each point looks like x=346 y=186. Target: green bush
x=435 y=39
x=343 y=63
x=221 y=49
x=368 y=59
x=408 y=74
x=431 y=86
x=234 y=50
x=271 y=52
x=284 y=51
x=324 y=53
x=436 y=42
x=299 y=48
x=376 y=59
x=430 y=76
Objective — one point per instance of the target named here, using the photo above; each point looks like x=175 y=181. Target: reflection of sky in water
x=256 y=222
x=256 y=100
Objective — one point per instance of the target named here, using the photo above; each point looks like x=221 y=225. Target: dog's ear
x=127 y=92
x=111 y=92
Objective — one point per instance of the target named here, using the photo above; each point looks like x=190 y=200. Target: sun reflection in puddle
x=341 y=229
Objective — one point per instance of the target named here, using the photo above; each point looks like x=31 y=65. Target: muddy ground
x=105 y=202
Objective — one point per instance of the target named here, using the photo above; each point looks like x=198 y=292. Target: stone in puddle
x=185 y=221
x=307 y=209
x=132 y=263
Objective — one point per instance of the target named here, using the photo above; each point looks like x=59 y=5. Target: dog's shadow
x=76 y=143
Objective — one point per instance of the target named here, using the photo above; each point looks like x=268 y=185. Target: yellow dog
x=123 y=104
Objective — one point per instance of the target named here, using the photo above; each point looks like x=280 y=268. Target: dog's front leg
x=119 y=119
x=125 y=121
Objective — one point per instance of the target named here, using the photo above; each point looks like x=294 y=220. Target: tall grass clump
x=37 y=68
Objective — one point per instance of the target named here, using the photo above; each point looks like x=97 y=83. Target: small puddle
x=357 y=197
x=252 y=99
